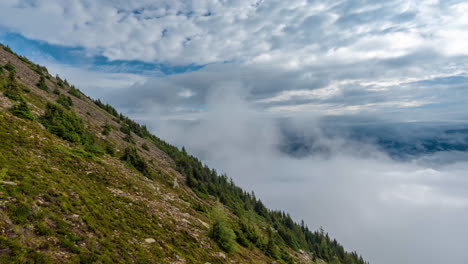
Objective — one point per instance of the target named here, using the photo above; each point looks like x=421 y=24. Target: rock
x=150 y=240
x=221 y=255
x=8 y=183
x=175 y=184
x=204 y=224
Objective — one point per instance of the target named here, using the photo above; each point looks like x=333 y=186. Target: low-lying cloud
x=411 y=211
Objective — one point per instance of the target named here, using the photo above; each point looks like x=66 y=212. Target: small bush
x=10 y=67
x=145 y=147
x=21 y=110
x=65 y=101
x=65 y=124
x=109 y=148
x=12 y=88
x=75 y=92
x=42 y=85
x=19 y=214
x=42 y=229
x=132 y=157
x=125 y=128
x=95 y=149
x=68 y=244
x=199 y=207
x=106 y=129
x=129 y=138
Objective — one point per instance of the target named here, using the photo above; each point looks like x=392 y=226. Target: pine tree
x=271 y=249
x=220 y=229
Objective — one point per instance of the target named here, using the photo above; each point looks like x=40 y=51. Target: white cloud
x=92 y=83
x=293 y=33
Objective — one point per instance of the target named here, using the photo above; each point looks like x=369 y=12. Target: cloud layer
x=392 y=59
x=293 y=33
x=411 y=211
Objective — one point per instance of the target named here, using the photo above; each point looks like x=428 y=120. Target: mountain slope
x=81 y=183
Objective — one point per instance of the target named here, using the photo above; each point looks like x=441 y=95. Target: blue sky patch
x=77 y=56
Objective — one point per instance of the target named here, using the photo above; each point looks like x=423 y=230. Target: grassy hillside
x=81 y=183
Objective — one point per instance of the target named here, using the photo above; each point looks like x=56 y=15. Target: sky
x=216 y=76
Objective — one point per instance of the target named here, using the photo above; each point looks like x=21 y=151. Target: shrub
x=65 y=101
x=125 y=129
x=106 y=129
x=10 y=67
x=12 y=87
x=42 y=229
x=129 y=138
x=133 y=158
x=22 y=110
x=19 y=214
x=95 y=149
x=220 y=229
x=75 y=92
x=65 y=124
x=145 y=147
x=42 y=85
x=109 y=148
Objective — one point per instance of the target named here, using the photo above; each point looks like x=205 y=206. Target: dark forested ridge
x=254 y=234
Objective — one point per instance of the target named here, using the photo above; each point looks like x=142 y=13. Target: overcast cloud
x=245 y=65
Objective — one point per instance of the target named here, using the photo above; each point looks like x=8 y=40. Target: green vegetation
x=59 y=82
x=42 y=85
x=65 y=101
x=106 y=129
x=7 y=48
x=220 y=229
x=109 y=148
x=11 y=87
x=271 y=249
x=22 y=110
x=108 y=108
x=145 y=147
x=18 y=213
x=75 y=92
x=132 y=157
x=65 y=124
x=10 y=67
